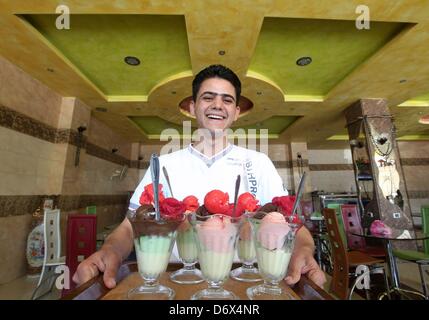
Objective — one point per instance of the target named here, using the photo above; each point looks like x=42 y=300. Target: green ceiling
x=336 y=48
x=98 y=44
x=261 y=42
x=424 y=97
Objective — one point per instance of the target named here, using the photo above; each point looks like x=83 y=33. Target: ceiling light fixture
x=221 y=52
x=304 y=61
x=132 y=61
x=424 y=119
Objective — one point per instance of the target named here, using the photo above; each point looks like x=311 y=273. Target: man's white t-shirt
x=192 y=173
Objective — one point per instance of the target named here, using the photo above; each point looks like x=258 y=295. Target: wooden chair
x=52 y=257
x=352 y=225
x=345 y=261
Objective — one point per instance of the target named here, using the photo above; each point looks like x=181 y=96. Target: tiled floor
x=22 y=288
x=409 y=276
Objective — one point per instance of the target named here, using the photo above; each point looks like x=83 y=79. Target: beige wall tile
x=13 y=241
x=414 y=149
x=20 y=92
x=333 y=181
x=17 y=184
x=334 y=156
x=66 y=115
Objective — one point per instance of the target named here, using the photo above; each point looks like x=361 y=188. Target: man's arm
x=108 y=259
x=302 y=260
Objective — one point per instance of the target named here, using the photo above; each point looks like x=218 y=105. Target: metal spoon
x=237 y=186
x=154 y=170
x=168 y=180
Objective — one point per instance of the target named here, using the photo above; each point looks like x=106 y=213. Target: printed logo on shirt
x=251 y=178
x=234 y=161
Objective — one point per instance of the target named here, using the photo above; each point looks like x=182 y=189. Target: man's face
x=216 y=105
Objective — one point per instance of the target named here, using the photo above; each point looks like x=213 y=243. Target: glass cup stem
x=189 y=266
x=247 y=266
x=150 y=282
x=272 y=287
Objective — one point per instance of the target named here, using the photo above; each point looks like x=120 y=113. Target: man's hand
x=106 y=260
x=302 y=262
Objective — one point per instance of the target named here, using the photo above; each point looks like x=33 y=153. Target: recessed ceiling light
x=101 y=109
x=304 y=61
x=132 y=61
x=402 y=80
x=221 y=52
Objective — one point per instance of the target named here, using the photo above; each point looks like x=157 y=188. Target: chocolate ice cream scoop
x=268 y=207
x=144 y=222
x=202 y=211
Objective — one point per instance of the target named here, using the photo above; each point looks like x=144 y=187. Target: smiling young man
x=211 y=163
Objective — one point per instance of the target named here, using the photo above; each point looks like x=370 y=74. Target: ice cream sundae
x=274 y=242
x=216 y=234
x=245 y=245
x=187 y=248
x=153 y=242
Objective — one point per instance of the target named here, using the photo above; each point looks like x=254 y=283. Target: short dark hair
x=216 y=71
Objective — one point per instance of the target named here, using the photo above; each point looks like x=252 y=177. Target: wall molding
x=415 y=161
x=22 y=123
x=21 y=205
x=331 y=167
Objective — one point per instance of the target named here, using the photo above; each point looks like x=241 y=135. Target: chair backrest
x=352 y=224
x=52 y=235
x=425 y=226
x=340 y=277
x=337 y=208
x=81 y=238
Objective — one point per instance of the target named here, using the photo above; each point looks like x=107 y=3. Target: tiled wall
x=415 y=164
x=332 y=171
x=27 y=95
x=38 y=139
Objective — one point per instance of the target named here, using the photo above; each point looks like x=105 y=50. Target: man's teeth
x=212 y=116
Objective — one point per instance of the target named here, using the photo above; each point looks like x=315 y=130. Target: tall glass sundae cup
x=274 y=242
x=188 y=254
x=216 y=239
x=246 y=253
x=153 y=242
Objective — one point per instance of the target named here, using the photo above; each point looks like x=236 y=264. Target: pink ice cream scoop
x=217 y=234
x=273 y=230
x=379 y=229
